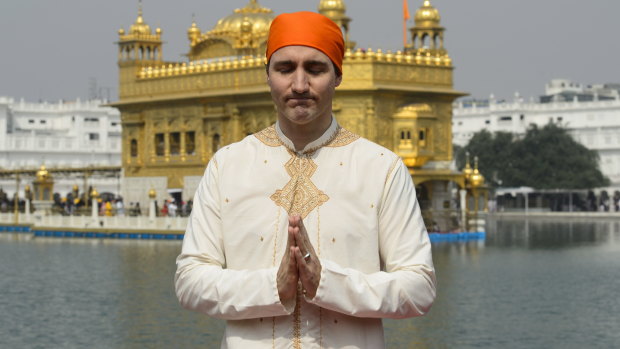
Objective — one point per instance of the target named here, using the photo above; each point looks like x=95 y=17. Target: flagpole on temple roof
x=405 y=18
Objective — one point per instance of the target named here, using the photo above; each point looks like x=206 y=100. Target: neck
x=302 y=135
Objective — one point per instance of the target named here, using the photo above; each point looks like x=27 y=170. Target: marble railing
x=101 y=222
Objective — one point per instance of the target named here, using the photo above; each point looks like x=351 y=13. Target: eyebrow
x=310 y=62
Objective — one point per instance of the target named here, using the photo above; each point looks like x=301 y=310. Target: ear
x=338 y=80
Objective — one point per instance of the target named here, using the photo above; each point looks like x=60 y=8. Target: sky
x=65 y=49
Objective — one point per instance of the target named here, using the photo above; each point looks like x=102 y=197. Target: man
x=305 y=235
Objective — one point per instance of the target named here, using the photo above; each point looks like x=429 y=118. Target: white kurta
x=358 y=204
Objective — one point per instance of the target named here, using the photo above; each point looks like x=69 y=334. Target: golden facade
x=175 y=115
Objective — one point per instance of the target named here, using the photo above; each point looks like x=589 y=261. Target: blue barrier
x=462 y=236
x=14 y=229
x=90 y=234
x=434 y=237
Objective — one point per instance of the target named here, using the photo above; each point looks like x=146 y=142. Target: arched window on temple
x=190 y=143
x=160 y=144
x=175 y=143
x=215 y=145
x=423 y=137
x=133 y=148
x=405 y=138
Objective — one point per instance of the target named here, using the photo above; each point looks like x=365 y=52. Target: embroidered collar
x=326 y=138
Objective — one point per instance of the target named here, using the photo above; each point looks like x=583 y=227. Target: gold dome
x=152 y=193
x=251 y=18
x=476 y=179
x=467 y=171
x=140 y=27
x=427 y=15
x=94 y=193
x=42 y=173
x=193 y=33
x=332 y=6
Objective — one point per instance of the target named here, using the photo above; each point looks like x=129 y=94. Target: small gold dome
x=427 y=15
x=193 y=33
x=94 y=193
x=140 y=27
x=467 y=171
x=476 y=179
x=252 y=17
x=332 y=5
x=152 y=193
x=42 y=173
x=121 y=32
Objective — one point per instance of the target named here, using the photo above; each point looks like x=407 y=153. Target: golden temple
x=176 y=115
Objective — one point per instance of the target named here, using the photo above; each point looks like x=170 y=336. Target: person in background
x=172 y=208
x=120 y=208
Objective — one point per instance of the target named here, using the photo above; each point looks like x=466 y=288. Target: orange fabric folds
x=307 y=29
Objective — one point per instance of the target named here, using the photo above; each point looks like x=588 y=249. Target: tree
x=491 y=150
x=545 y=158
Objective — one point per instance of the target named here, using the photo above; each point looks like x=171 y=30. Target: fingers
x=288 y=275
x=290 y=241
x=302 y=239
x=292 y=261
x=309 y=273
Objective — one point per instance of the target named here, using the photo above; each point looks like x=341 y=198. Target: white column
x=527 y=203
x=463 y=194
x=152 y=210
x=95 y=210
x=27 y=211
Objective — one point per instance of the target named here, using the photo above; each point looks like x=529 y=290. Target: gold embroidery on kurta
x=273 y=332
x=297 y=320
x=343 y=137
x=269 y=136
x=299 y=195
x=318 y=251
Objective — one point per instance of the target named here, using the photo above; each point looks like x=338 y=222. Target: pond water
x=531 y=284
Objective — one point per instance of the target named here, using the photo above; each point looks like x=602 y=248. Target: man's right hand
x=288 y=274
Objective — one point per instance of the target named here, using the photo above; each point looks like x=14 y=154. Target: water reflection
x=545 y=233
x=534 y=283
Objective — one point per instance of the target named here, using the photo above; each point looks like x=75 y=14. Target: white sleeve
x=202 y=281
x=406 y=287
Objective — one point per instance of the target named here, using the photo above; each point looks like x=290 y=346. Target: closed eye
x=316 y=67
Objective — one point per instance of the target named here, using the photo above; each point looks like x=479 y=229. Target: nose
x=300 y=81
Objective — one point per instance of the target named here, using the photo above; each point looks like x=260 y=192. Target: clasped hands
x=294 y=267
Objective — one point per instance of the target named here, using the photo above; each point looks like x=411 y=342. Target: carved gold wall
x=176 y=115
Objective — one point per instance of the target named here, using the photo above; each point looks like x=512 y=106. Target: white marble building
x=590 y=113
x=62 y=134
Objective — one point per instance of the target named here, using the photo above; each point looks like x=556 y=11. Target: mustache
x=299 y=96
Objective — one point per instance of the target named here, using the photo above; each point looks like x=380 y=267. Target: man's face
x=302 y=81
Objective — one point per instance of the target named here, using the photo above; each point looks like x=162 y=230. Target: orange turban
x=307 y=29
